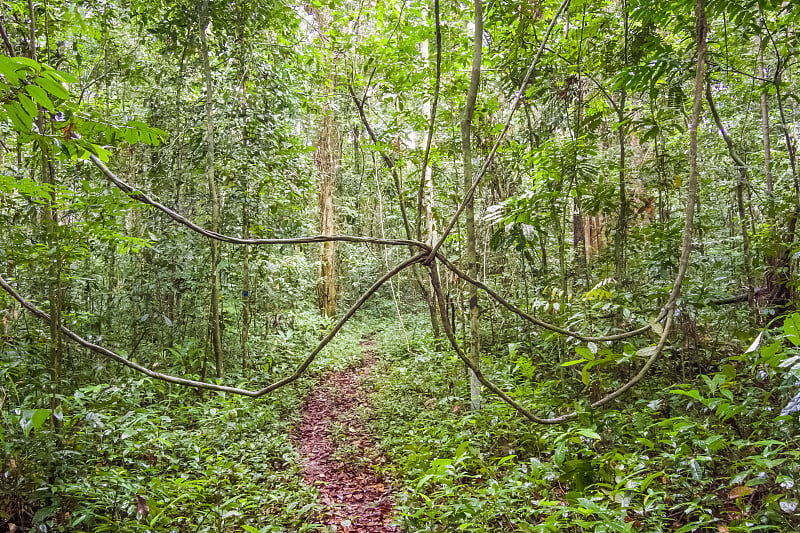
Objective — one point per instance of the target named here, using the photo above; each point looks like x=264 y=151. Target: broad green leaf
x=695 y=394
x=39 y=417
x=585 y=352
x=21 y=121
x=40 y=96
x=10 y=71
x=53 y=87
x=656 y=327
x=30 y=63
x=28 y=105
x=131 y=136
x=589 y=434
x=647 y=351
x=586 y=377
x=791 y=328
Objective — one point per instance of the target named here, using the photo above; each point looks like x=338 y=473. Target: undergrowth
x=711 y=454
x=135 y=454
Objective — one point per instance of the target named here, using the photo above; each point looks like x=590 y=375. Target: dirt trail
x=338 y=453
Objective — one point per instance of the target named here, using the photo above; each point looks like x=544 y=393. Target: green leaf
x=647 y=351
x=589 y=434
x=575 y=362
x=690 y=393
x=585 y=352
x=585 y=376
x=66 y=76
x=39 y=417
x=649 y=479
x=19 y=118
x=30 y=63
x=28 y=105
x=53 y=87
x=10 y=70
x=131 y=136
x=656 y=327
x=40 y=96
x=791 y=328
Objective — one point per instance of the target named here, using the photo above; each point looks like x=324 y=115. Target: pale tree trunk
x=466 y=151
x=326 y=159
x=216 y=332
x=426 y=212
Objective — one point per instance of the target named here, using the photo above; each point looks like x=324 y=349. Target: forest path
x=338 y=453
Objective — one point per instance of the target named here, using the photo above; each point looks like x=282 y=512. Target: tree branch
x=177 y=217
x=7 y=41
x=514 y=106
x=688 y=231
x=213 y=386
x=541 y=323
x=387 y=159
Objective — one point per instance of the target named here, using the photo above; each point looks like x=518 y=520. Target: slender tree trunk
x=244 y=76
x=245 y=284
x=466 y=151
x=427 y=221
x=50 y=223
x=214 y=315
x=740 y=187
x=621 y=235
x=762 y=73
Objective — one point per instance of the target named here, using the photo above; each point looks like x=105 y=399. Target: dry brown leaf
x=141 y=506
x=740 y=491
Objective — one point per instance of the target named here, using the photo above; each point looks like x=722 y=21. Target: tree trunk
x=327 y=159
x=762 y=73
x=50 y=224
x=466 y=151
x=740 y=186
x=216 y=332
x=245 y=284
x=621 y=235
x=243 y=75
x=426 y=219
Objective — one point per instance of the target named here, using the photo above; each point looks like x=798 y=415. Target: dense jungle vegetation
x=569 y=228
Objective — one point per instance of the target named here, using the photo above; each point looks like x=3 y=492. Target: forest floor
x=339 y=456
